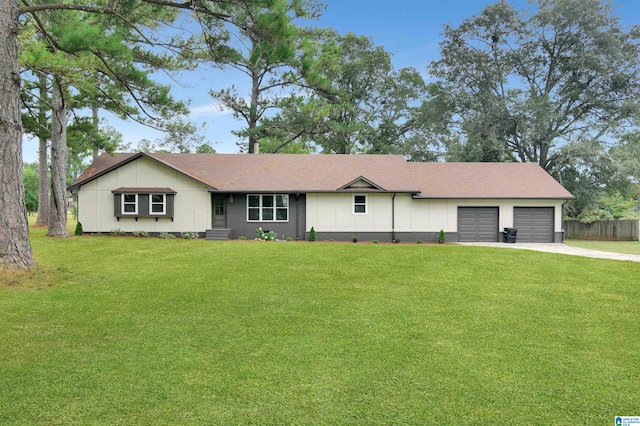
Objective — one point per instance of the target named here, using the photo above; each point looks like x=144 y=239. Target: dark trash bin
x=510 y=235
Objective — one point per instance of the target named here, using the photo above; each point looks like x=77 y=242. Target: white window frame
x=356 y=204
x=261 y=207
x=164 y=205
x=123 y=203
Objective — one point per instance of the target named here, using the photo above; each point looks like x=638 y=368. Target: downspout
x=297 y=216
x=393 y=218
x=562 y=213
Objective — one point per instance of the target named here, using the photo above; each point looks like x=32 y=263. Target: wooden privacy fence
x=613 y=230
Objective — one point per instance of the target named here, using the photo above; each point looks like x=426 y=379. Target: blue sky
x=409 y=29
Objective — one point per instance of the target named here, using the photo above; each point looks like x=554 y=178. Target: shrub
x=289 y=238
x=396 y=241
x=313 y=236
x=97 y=234
x=242 y=237
x=166 y=236
x=78 y=229
x=375 y=241
x=117 y=233
x=354 y=239
x=189 y=235
x=141 y=234
x=441 y=237
x=418 y=241
x=265 y=235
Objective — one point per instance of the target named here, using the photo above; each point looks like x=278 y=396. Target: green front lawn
x=628 y=247
x=148 y=331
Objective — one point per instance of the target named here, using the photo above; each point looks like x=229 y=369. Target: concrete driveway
x=561 y=249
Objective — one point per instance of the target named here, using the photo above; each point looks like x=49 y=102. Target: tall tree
x=520 y=87
x=357 y=101
x=59 y=161
x=15 y=249
x=265 y=46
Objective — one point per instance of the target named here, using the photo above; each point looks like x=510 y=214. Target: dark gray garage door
x=534 y=224
x=478 y=224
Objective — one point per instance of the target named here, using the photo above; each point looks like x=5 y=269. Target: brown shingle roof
x=486 y=180
x=328 y=173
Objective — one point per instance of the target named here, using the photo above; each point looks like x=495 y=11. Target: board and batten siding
x=333 y=212
x=192 y=206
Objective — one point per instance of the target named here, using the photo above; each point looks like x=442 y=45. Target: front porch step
x=217 y=234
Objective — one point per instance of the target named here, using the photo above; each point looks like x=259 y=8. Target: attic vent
x=360 y=184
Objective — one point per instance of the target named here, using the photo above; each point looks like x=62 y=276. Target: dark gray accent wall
x=386 y=237
x=239 y=226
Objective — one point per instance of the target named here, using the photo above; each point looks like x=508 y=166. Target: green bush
x=441 y=237
x=313 y=236
x=289 y=238
x=166 y=236
x=117 y=232
x=418 y=241
x=375 y=241
x=78 y=229
x=189 y=235
x=242 y=237
x=142 y=234
x=265 y=235
x=354 y=239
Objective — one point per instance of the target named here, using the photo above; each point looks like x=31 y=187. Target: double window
x=359 y=204
x=157 y=204
x=268 y=208
x=143 y=202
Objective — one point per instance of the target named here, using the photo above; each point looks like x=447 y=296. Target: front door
x=219 y=211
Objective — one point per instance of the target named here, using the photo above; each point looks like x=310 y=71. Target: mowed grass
x=148 y=331
x=628 y=247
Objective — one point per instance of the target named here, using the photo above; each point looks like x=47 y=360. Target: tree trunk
x=15 y=249
x=59 y=161
x=96 y=123
x=253 y=112
x=43 y=166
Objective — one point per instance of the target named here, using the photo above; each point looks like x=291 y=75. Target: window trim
x=123 y=203
x=356 y=204
x=164 y=204
x=260 y=207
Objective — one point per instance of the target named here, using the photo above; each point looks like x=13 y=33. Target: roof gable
x=361 y=184
x=106 y=163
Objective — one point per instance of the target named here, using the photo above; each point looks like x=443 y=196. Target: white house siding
x=334 y=213
x=192 y=203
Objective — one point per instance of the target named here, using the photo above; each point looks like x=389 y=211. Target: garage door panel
x=534 y=224
x=477 y=224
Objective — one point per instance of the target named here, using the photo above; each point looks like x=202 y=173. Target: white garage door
x=477 y=224
x=534 y=224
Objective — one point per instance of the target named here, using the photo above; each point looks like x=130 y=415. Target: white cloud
x=211 y=109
